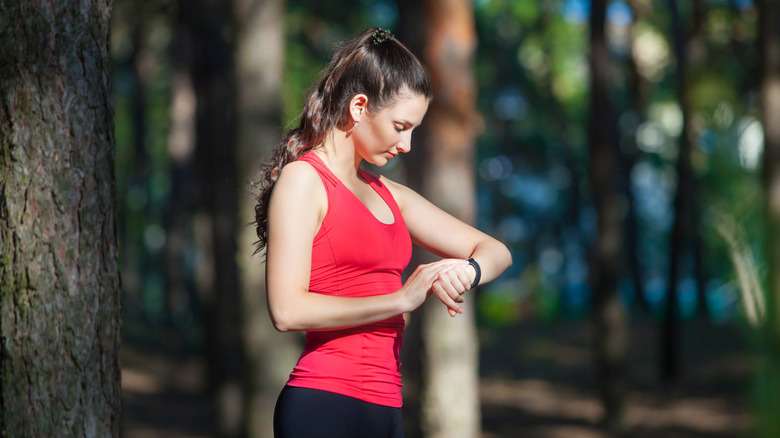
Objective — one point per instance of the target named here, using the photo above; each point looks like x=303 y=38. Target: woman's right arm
x=297 y=207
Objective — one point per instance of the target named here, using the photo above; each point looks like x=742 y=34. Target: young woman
x=338 y=239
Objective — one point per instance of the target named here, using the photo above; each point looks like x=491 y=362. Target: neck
x=338 y=152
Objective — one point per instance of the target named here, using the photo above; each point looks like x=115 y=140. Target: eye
x=398 y=128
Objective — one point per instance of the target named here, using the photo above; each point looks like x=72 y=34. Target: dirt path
x=543 y=385
x=537 y=382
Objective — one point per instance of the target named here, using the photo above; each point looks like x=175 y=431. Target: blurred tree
x=211 y=29
x=685 y=244
x=611 y=334
x=270 y=355
x=59 y=280
x=184 y=189
x=769 y=41
x=441 y=167
x=410 y=31
x=630 y=153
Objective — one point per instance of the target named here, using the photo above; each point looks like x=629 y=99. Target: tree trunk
x=684 y=240
x=260 y=63
x=769 y=39
x=180 y=284
x=446 y=177
x=629 y=156
x=411 y=27
x=213 y=75
x=611 y=328
x=59 y=281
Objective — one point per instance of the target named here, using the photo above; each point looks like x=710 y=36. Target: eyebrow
x=406 y=122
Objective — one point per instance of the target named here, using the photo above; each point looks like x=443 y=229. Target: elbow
x=282 y=321
x=285 y=325
x=281 y=326
x=506 y=258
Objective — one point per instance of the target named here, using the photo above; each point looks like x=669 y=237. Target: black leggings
x=311 y=413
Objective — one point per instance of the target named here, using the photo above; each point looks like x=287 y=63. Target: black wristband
x=474 y=263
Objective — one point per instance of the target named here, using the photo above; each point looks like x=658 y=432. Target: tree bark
x=59 y=281
x=611 y=328
x=259 y=68
x=445 y=176
x=769 y=40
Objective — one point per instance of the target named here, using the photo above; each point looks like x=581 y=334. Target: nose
x=405 y=145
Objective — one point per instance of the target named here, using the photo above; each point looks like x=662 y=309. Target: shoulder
x=402 y=194
x=298 y=173
x=299 y=180
x=390 y=184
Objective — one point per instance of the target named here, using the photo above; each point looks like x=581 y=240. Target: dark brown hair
x=380 y=70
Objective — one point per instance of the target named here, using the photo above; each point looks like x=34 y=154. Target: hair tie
x=381 y=35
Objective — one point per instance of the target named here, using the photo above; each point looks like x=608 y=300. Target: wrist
x=401 y=302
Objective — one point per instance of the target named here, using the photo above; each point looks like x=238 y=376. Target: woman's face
x=387 y=133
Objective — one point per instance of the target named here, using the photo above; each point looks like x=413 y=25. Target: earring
x=355 y=123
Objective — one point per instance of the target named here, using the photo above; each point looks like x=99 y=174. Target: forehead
x=408 y=107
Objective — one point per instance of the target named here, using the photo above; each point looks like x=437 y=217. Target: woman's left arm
x=446 y=236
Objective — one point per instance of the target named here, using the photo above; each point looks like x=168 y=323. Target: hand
x=419 y=285
x=450 y=286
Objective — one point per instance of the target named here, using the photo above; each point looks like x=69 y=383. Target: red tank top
x=355 y=255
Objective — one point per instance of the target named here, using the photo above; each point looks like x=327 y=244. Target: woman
x=338 y=238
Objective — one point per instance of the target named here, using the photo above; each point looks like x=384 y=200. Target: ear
x=358 y=107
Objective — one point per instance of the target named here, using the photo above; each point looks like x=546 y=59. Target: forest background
x=619 y=148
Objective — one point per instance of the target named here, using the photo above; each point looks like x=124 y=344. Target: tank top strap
x=328 y=178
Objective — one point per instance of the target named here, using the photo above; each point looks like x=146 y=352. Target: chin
x=379 y=161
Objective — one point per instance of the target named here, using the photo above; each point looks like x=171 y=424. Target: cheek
x=388 y=134
x=377 y=136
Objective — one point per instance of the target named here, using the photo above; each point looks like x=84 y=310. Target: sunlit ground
x=537 y=381
x=544 y=387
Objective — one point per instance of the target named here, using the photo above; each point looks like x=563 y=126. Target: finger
x=446 y=299
x=463 y=277
x=460 y=271
x=429 y=273
x=449 y=282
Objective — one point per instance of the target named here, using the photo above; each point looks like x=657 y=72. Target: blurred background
x=615 y=147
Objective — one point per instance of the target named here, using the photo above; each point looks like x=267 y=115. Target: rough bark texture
x=445 y=173
x=611 y=328
x=769 y=403
x=259 y=66
x=59 y=282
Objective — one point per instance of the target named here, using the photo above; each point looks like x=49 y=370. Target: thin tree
x=211 y=28
x=611 y=328
x=180 y=284
x=442 y=169
x=769 y=45
x=270 y=355
x=59 y=280
x=630 y=154
x=685 y=239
